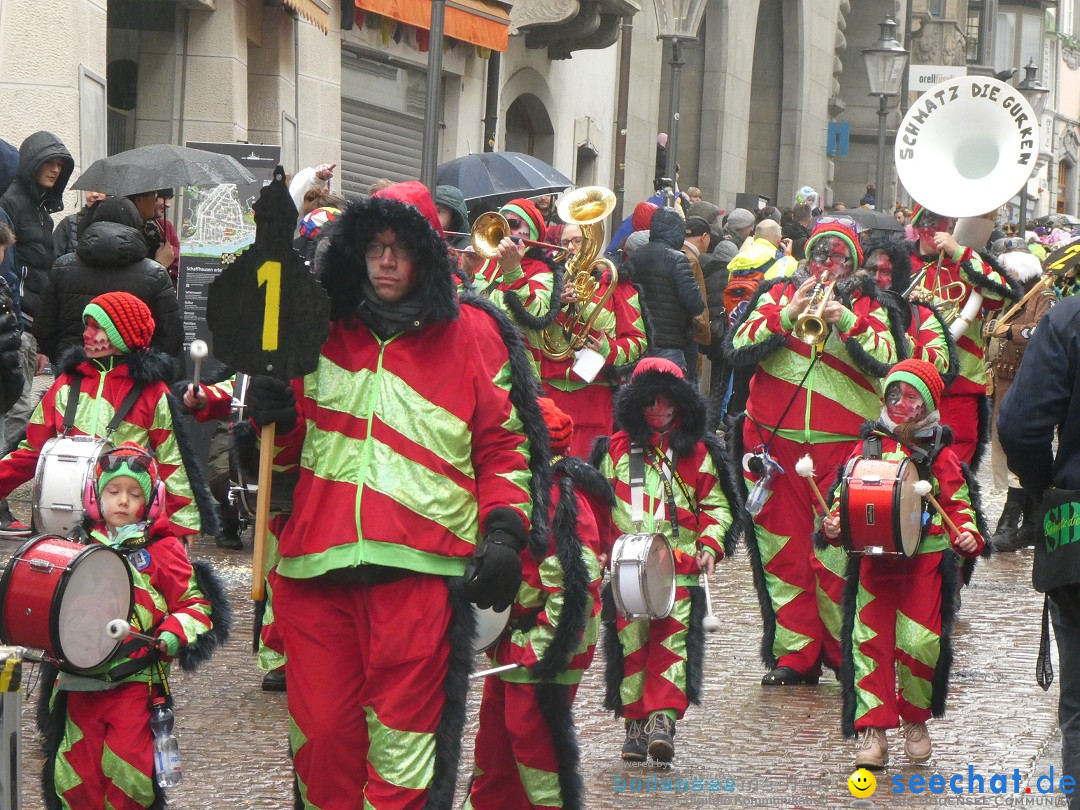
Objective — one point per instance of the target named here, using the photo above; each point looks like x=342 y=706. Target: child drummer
x=896 y=654
x=654 y=666
x=98 y=741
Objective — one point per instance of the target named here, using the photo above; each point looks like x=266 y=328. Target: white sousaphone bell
x=966 y=147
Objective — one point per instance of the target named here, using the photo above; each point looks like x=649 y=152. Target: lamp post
x=885 y=61
x=676 y=21
x=433 y=105
x=1035 y=92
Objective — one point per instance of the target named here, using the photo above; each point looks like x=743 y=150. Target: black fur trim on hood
x=734 y=492
x=752 y=355
x=757 y=569
x=146 y=366
x=440 y=794
x=866 y=363
x=553 y=701
x=568 y=632
x=690 y=408
x=345 y=264
x=899 y=253
x=984 y=413
x=586 y=478
x=191 y=656
x=522 y=316
x=195 y=467
x=524 y=391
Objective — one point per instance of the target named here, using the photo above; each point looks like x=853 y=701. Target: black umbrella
x=160 y=165
x=867 y=218
x=495 y=178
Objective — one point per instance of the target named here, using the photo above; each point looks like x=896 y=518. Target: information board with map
x=217 y=225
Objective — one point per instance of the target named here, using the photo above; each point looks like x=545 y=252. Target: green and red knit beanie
x=527 y=211
x=126 y=320
x=129 y=460
x=920 y=375
x=841 y=228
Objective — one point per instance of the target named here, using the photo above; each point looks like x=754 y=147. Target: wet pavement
x=746 y=746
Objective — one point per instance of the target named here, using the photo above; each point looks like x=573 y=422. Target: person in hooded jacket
x=422 y=460
x=111 y=255
x=66 y=233
x=9 y=165
x=670 y=296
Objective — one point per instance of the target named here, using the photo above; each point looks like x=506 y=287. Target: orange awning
x=477 y=22
x=314 y=11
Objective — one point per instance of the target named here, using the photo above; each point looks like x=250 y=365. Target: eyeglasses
x=574 y=241
x=134 y=461
x=822 y=255
x=514 y=223
x=376 y=250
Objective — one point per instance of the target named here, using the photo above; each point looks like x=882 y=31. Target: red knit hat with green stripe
x=126 y=320
x=841 y=228
x=526 y=210
x=920 y=375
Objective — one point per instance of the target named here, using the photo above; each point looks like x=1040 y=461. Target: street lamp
x=676 y=20
x=1035 y=92
x=885 y=61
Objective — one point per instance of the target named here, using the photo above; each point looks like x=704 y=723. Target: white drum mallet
x=922 y=489
x=120 y=629
x=805 y=467
x=198 y=352
x=710 y=624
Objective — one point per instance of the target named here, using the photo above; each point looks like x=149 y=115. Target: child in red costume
x=526 y=749
x=898 y=611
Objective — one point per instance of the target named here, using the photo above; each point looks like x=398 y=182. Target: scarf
x=389 y=319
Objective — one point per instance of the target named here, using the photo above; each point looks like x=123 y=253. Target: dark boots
x=1016 y=527
x=230 y=531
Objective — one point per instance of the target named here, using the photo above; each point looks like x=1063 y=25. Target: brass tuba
x=810 y=327
x=585 y=207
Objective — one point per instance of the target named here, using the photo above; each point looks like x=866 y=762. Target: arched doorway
x=766 y=109
x=529 y=129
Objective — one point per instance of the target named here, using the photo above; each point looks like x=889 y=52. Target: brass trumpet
x=491 y=228
x=585 y=207
x=810 y=327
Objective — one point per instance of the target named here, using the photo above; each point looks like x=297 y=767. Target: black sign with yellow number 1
x=268 y=315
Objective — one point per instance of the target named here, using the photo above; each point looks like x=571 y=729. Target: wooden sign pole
x=262 y=513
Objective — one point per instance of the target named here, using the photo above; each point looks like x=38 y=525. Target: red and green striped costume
x=898 y=609
x=815 y=407
x=105 y=756
x=960 y=407
x=928 y=339
x=529 y=293
x=151 y=422
x=526 y=750
x=621 y=329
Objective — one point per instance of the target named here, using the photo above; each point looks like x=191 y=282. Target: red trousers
x=117 y=721
x=516 y=765
x=366 y=670
x=896 y=639
x=961 y=413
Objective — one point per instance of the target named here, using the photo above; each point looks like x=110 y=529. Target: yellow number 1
x=270 y=275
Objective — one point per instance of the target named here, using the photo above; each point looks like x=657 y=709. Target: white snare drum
x=490 y=626
x=64 y=467
x=643 y=576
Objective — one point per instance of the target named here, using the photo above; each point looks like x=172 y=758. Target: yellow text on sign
x=270 y=275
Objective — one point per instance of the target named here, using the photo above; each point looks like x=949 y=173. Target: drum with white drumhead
x=65 y=465
x=643 y=576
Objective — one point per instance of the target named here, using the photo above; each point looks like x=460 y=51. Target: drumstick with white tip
x=494 y=670
x=710 y=624
x=922 y=489
x=198 y=352
x=119 y=629
x=805 y=467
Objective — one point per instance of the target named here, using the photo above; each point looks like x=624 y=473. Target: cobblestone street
x=778 y=748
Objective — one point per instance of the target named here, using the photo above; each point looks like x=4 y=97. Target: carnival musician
x=953 y=274
x=806 y=397
x=617 y=335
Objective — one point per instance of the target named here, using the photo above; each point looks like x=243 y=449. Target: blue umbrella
x=495 y=178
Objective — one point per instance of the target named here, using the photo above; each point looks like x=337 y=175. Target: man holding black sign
x=1044 y=399
x=421 y=458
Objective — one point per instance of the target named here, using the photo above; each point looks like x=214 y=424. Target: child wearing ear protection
x=99 y=746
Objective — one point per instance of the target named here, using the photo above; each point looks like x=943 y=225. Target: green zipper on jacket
x=809 y=395
x=97 y=398
x=368 y=448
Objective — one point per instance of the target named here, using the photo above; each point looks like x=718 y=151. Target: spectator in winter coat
x=453 y=214
x=9 y=165
x=738 y=225
x=11 y=378
x=110 y=257
x=798 y=230
x=670 y=297
x=66 y=233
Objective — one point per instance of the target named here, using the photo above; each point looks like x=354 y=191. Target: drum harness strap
x=72 y=407
x=637 y=487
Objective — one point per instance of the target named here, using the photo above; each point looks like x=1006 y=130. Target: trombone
x=491 y=228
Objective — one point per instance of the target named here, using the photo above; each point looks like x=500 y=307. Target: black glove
x=493 y=575
x=271 y=401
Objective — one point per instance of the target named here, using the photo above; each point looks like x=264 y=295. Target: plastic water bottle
x=758 y=494
x=166 y=750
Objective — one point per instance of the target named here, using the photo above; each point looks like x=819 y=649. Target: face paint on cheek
x=660 y=414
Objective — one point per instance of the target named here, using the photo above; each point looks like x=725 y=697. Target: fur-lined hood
x=690 y=409
x=899 y=256
x=408 y=213
x=146 y=367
